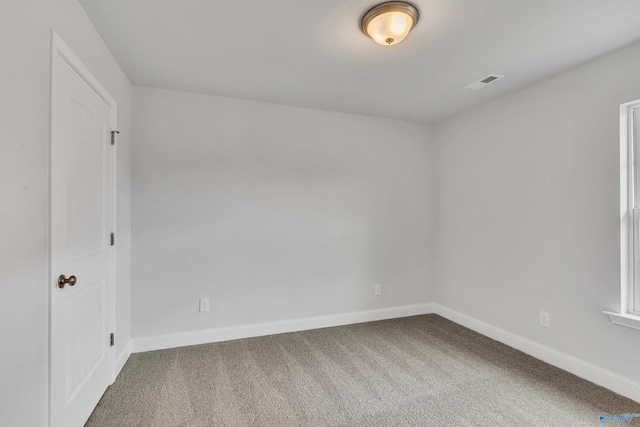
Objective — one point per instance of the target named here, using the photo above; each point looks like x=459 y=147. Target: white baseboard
x=121 y=359
x=260 y=329
x=580 y=368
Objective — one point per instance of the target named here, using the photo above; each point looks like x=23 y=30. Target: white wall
x=528 y=212
x=273 y=212
x=24 y=185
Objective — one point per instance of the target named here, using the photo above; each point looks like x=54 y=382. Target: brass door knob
x=63 y=281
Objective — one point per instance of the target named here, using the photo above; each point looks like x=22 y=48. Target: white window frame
x=629 y=314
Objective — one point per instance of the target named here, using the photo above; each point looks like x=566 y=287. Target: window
x=633 y=137
x=629 y=217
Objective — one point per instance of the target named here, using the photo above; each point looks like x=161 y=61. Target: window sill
x=624 y=319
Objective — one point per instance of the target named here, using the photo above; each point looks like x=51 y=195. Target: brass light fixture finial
x=389 y=23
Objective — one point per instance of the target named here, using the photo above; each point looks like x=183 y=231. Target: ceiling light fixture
x=389 y=23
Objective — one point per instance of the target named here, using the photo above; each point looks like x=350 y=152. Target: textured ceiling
x=312 y=53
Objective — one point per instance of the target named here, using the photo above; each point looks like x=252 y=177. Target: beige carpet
x=415 y=371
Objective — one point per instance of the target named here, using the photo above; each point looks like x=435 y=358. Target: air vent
x=483 y=82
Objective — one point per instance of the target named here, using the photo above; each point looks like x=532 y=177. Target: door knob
x=63 y=281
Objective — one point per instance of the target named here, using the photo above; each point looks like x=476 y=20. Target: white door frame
x=60 y=48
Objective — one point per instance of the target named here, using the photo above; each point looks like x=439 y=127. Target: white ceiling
x=312 y=53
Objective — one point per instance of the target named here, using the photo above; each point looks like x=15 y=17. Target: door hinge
x=112 y=339
x=113 y=136
x=113 y=239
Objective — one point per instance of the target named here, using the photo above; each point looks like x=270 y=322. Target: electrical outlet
x=204 y=305
x=544 y=319
x=377 y=289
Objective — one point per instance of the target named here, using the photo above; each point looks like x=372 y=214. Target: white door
x=82 y=160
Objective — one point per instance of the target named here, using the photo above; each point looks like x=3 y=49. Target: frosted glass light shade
x=389 y=23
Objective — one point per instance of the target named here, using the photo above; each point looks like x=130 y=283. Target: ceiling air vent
x=483 y=82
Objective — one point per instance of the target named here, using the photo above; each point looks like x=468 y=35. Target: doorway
x=83 y=116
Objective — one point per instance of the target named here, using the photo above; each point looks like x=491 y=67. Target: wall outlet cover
x=544 y=319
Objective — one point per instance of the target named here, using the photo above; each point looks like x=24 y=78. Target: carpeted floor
x=415 y=371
